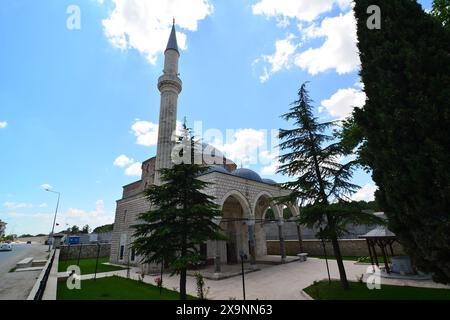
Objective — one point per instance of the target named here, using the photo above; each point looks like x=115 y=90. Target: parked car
x=5 y=247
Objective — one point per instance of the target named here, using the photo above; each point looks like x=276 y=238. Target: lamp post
x=54 y=219
x=243 y=258
x=251 y=241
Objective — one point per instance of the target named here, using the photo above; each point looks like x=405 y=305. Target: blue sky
x=73 y=100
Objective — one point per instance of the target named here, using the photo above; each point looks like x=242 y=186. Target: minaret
x=170 y=86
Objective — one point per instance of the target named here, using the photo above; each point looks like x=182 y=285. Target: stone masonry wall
x=349 y=247
x=88 y=251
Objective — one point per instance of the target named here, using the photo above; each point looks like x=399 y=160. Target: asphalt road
x=8 y=259
x=17 y=285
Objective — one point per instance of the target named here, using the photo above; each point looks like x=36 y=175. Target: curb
x=307 y=296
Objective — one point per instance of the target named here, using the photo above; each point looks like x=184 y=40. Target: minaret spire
x=173 y=44
x=170 y=86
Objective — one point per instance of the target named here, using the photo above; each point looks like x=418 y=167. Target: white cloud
x=122 y=161
x=242 y=146
x=46 y=186
x=43 y=205
x=73 y=216
x=145 y=25
x=94 y=218
x=366 y=193
x=146 y=132
x=341 y=103
x=282 y=58
x=3 y=124
x=302 y=10
x=271 y=159
x=135 y=170
x=15 y=205
x=339 y=51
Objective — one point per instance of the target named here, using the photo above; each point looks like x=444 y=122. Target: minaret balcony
x=168 y=80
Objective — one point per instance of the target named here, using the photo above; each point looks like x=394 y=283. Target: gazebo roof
x=379 y=232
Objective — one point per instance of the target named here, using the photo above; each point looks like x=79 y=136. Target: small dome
x=217 y=168
x=247 y=174
x=269 y=181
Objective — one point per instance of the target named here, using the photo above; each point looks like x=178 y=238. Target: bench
x=25 y=263
x=302 y=256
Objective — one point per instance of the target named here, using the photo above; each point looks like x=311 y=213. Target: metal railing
x=43 y=283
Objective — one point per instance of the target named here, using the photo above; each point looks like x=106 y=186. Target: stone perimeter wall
x=349 y=247
x=88 y=251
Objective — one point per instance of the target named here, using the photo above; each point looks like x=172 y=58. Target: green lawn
x=358 y=291
x=115 y=288
x=87 y=266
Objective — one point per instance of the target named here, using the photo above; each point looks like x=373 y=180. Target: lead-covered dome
x=247 y=174
x=217 y=168
x=269 y=181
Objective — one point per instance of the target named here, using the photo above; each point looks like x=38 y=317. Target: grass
x=115 y=288
x=359 y=291
x=87 y=266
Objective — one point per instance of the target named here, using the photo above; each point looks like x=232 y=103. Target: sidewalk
x=281 y=282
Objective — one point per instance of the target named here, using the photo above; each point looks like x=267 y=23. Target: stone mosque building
x=243 y=196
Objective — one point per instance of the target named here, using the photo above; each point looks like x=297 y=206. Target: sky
x=79 y=106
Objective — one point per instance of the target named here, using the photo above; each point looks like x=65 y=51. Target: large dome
x=269 y=181
x=210 y=152
x=247 y=174
x=217 y=168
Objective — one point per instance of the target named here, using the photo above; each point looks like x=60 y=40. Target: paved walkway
x=281 y=282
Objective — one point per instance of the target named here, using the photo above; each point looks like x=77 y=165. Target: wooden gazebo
x=383 y=238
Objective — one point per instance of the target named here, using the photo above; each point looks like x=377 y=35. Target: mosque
x=243 y=196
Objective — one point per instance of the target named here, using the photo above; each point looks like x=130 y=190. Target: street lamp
x=243 y=258
x=54 y=219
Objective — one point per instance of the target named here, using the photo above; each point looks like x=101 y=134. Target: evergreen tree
x=180 y=219
x=312 y=157
x=441 y=10
x=404 y=125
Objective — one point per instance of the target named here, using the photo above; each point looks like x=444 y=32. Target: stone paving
x=280 y=282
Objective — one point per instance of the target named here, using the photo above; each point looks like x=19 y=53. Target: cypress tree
x=405 y=122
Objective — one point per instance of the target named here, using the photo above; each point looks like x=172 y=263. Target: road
x=17 y=285
x=8 y=259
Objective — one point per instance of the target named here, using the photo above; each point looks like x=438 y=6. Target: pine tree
x=405 y=123
x=312 y=157
x=180 y=219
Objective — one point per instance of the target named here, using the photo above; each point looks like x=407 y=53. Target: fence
x=84 y=251
x=349 y=247
x=43 y=283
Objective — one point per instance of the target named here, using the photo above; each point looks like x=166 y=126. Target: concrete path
x=17 y=285
x=281 y=282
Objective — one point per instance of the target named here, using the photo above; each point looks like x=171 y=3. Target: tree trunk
x=183 y=284
x=340 y=263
